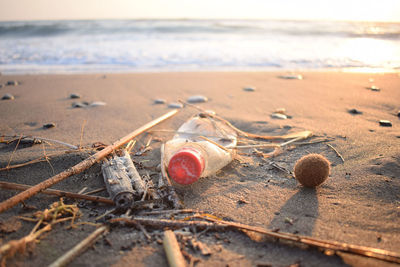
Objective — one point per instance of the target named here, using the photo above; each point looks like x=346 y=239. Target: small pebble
x=278 y=116
x=280 y=111
x=289 y=221
x=292 y=77
x=398 y=113
x=354 y=111
x=8 y=97
x=159 y=101
x=1 y=85
x=12 y=83
x=374 y=88
x=249 y=89
x=385 y=123
x=49 y=125
x=80 y=104
x=74 y=96
x=175 y=105
x=197 y=99
x=97 y=104
x=371 y=80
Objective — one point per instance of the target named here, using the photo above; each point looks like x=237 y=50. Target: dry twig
x=298 y=240
x=22 y=187
x=172 y=250
x=337 y=152
x=85 y=164
x=80 y=247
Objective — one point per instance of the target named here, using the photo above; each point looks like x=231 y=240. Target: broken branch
x=85 y=164
x=22 y=187
x=296 y=239
x=79 y=248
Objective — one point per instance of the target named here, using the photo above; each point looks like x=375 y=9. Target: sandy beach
x=358 y=204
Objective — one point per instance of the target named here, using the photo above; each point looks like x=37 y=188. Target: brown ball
x=312 y=170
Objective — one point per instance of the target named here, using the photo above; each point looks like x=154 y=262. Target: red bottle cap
x=186 y=166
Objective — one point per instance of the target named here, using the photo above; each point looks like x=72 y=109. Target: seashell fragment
x=175 y=105
x=197 y=99
x=97 y=104
x=292 y=77
x=279 y=116
x=374 y=88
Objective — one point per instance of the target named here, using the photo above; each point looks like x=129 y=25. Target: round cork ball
x=312 y=170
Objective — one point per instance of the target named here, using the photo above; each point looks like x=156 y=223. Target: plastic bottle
x=200 y=148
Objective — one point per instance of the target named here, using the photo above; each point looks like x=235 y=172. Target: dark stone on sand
x=80 y=104
x=74 y=96
x=1 y=85
x=354 y=111
x=398 y=113
x=385 y=123
x=159 y=101
x=249 y=89
x=8 y=97
x=49 y=125
x=12 y=83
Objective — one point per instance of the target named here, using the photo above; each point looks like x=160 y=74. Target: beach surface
x=358 y=204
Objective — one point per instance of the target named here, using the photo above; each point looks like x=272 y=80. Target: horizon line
x=204 y=19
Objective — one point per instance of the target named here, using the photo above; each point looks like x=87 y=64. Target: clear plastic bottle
x=200 y=148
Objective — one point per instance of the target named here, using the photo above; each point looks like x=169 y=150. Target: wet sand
x=358 y=204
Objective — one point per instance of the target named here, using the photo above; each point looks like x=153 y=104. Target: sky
x=358 y=10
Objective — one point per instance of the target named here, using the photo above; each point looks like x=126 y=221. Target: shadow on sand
x=298 y=214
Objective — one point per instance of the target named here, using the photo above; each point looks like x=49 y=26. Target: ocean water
x=195 y=45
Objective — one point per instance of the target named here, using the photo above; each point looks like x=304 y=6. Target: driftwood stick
x=172 y=250
x=79 y=248
x=337 y=152
x=45 y=139
x=85 y=164
x=295 y=239
x=22 y=187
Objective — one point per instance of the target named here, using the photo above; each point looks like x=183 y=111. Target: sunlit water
x=195 y=45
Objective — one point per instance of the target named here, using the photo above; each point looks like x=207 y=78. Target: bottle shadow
x=299 y=214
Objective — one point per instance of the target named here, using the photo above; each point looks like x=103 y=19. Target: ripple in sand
x=197 y=99
x=8 y=97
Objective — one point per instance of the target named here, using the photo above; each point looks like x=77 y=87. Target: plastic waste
x=201 y=146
